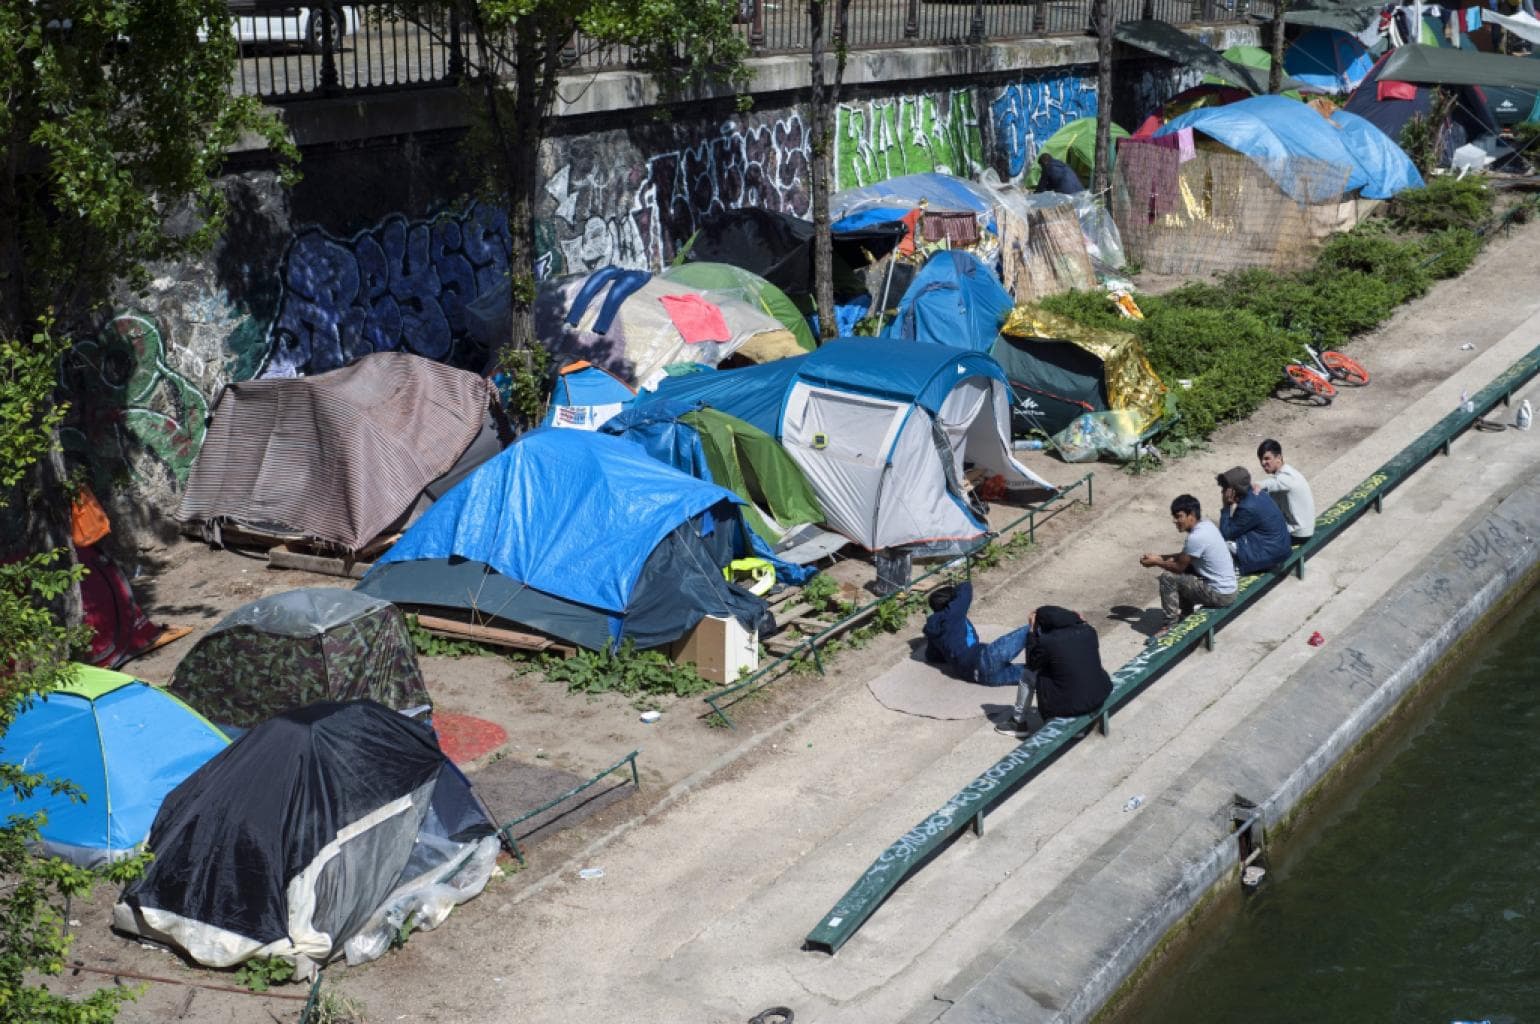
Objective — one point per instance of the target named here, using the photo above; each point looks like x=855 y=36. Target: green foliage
x=1445 y=202
x=1451 y=251
x=429 y=645
x=331 y=1008
x=819 y=591
x=633 y=673
x=529 y=381
x=1423 y=137
x=1369 y=250
x=262 y=974
x=107 y=137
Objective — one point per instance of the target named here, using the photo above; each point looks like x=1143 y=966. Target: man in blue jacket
x=1252 y=525
x=951 y=638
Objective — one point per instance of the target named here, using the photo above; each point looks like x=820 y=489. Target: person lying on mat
x=951 y=639
x=1064 y=666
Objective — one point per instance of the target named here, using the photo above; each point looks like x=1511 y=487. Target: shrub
x=1451 y=251
x=1445 y=202
x=1369 y=250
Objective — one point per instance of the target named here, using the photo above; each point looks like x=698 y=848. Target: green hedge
x=1231 y=339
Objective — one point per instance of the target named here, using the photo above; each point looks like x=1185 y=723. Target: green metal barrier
x=809 y=646
x=917 y=846
x=506 y=832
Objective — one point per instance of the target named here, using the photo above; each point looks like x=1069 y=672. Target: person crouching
x=1064 y=666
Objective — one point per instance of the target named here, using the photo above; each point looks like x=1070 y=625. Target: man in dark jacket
x=1064 y=665
x=1054 y=175
x=1252 y=524
x=951 y=638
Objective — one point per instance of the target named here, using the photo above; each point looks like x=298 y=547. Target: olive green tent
x=745 y=286
x=749 y=462
x=1256 y=59
x=1075 y=144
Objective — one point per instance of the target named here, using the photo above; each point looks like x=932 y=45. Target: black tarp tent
x=1170 y=42
x=318 y=834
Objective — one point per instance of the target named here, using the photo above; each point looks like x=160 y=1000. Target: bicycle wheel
x=1345 y=369
x=1311 y=383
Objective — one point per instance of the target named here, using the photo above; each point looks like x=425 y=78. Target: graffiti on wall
x=410 y=285
x=1026 y=113
x=135 y=406
x=601 y=211
x=895 y=135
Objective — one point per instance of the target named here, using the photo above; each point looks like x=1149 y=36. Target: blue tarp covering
x=902 y=194
x=1328 y=59
x=567 y=512
x=657 y=429
x=902 y=370
x=1386 y=164
x=955 y=300
x=585 y=388
x=1272 y=130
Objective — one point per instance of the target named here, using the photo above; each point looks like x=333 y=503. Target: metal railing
x=291 y=52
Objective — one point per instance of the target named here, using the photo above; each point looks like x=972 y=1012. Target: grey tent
x=303 y=646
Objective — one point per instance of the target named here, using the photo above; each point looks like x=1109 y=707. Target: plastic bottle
x=1466 y=405
x=1525 y=416
x=1030 y=444
x=1134 y=802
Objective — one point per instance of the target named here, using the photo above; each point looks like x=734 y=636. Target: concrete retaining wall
x=378 y=246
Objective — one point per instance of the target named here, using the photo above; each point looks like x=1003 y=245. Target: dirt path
x=683 y=925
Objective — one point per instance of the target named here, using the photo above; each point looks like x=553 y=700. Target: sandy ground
x=722 y=814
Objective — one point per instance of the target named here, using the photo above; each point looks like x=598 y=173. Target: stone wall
x=379 y=247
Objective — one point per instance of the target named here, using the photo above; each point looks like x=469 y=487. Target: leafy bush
x=626 y=671
x=1451 y=251
x=1445 y=202
x=1369 y=250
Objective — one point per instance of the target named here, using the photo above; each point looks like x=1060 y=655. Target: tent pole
x=886 y=285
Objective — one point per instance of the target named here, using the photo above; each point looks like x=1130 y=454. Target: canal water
x=1414 y=897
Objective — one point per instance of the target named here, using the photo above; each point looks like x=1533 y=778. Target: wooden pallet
x=800 y=620
x=453 y=629
x=292 y=551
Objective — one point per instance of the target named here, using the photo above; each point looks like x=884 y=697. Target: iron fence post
x=330 y=82
x=912 y=20
x=1040 y=16
x=456 y=57
x=757 y=26
x=976 y=30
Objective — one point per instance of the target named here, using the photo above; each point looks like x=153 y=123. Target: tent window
x=847 y=428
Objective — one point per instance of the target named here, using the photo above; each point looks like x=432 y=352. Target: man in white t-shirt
x=1201 y=573
x=1289 y=489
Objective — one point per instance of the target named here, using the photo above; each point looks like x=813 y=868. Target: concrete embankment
x=1069 y=954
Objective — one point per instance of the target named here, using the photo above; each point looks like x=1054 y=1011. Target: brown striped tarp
x=337 y=457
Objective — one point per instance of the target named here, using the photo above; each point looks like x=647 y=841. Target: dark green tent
x=748 y=462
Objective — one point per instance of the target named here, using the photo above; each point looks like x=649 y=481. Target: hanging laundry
x=697 y=319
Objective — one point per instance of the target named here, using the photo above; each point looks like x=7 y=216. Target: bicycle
x=1326 y=367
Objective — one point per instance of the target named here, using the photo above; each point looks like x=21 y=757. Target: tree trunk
x=821 y=137
x=1275 y=73
x=1102 y=20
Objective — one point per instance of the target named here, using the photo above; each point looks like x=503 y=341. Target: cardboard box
x=721 y=649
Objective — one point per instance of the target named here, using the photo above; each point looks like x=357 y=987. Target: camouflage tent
x=288 y=650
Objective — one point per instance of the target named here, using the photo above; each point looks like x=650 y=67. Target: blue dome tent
x=580 y=535
x=1328 y=59
x=954 y=300
x=123 y=743
x=882 y=429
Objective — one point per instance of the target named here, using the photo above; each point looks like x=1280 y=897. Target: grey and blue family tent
x=323 y=832
x=954 y=300
x=883 y=430
x=300 y=647
x=1276 y=132
x=580 y=535
x=124 y=745
x=1327 y=59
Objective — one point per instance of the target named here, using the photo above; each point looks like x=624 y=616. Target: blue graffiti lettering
x=1026 y=113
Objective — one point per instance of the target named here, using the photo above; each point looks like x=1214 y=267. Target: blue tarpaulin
x=899 y=195
x=1274 y=131
x=955 y=300
x=1327 y=58
x=570 y=513
x=1386 y=164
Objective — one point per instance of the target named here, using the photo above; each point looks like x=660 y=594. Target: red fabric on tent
x=1394 y=91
